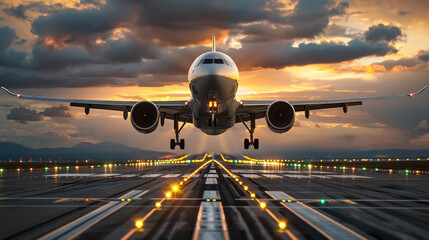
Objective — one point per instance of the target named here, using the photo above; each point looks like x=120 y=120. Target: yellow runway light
x=158 y=205
x=168 y=195
x=282 y=225
x=139 y=224
x=252 y=195
x=245 y=188
x=175 y=188
x=263 y=205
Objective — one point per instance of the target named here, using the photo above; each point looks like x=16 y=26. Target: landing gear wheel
x=246 y=143
x=172 y=144
x=256 y=143
x=182 y=143
x=251 y=129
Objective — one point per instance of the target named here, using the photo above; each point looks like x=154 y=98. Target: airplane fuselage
x=213 y=82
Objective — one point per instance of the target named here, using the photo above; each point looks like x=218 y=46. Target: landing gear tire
x=172 y=144
x=256 y=143
x=182 y=143
x=246 y=143
x=251 y=129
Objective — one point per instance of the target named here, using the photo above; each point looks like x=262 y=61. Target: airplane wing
x=169 y=108
x=258 y=108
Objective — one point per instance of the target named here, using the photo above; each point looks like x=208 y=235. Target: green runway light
x=376 y=169
x=407 y=171
x=46 y=168
x=363 y=169
x=1 y=169
x=322 y=201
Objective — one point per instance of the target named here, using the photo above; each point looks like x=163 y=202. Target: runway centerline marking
x=78 y=226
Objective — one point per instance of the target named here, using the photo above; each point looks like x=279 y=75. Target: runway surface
x=212 y=197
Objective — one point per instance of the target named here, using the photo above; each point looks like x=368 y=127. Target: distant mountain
x=83 y=150
x=389 y=153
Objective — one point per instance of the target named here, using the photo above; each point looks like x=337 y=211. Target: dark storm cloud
x=19 y=11
x=381 y=32
x=9 y=57
x=130 y=50
x=24 y=115
x=309 y=19
x=72 y=26
x=279 y=55
x=58 y=112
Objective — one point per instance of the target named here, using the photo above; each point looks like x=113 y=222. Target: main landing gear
x=251 y=141
x=177 y=141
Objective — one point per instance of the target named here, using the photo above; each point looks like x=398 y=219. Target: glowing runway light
x=175 y=188
x=139 y=224
x=322 y=201
x=252 y=195
x=282 y=225
x=158 y=205
x=168 y=195
x=263 y=205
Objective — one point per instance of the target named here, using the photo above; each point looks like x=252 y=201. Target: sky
x=285 y=50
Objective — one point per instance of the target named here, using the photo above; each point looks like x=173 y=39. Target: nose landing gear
x=250 y=141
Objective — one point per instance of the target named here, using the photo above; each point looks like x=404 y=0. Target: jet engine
x=280 y=116
x=145 y=116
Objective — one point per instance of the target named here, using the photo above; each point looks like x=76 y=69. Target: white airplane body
x=214 y=106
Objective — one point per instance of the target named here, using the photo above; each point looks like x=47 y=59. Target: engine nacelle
x=280 y=116
x=145 y=116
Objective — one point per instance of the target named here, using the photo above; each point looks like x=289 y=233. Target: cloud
x=20 y=10
x=403 y=13
x=279 y=55
x=424 y=57
x=381 y=33
x=9 y=57
x=423 y=124
x=57 y=112
x=24 y=115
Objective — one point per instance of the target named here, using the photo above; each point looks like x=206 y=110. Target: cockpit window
x=201 y=62
x=227 y=63
x=208 y=61
x=218 y=61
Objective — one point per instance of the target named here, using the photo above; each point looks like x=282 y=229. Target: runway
x=212 y=197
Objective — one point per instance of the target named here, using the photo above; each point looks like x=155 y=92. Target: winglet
x=213 y=44
x=418 y=92
x=9 y=92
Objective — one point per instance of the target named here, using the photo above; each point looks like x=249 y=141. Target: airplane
x=213 y=107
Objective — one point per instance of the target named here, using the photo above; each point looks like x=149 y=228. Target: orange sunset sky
x=289 y=50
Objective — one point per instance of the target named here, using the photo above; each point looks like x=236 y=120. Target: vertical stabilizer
x=213 y=44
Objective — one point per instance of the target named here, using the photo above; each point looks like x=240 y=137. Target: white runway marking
x=297 y=176
x=211 y=176
x=171 y=175
x=349 y=176
x=250 y=175
x=78 y=226
x=151 y=175
x=323 y=224
x=272 y=176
